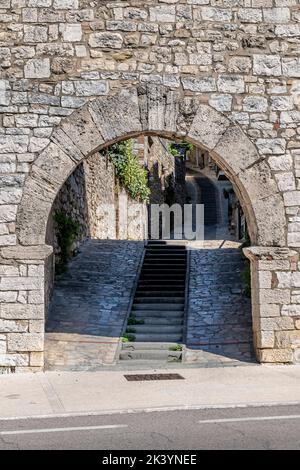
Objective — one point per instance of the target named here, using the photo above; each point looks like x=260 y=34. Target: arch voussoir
x=117 y=116
x=207 y=127
x=82 y=130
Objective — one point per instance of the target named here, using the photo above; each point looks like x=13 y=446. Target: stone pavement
x=90 y=304
x=219 y=323
x=62 y=393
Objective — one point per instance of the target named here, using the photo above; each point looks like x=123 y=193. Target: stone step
x=155 y=329
x=158 y=251
x=154 y=283
x=142 y=346
x=163 y=269
x=179 y=306
x=159 y=337
x=159 y=301
x=164 y=261
x=151 y=354
x=171 y=315
x=151 y=320
x=171 y=276
x=159 y=293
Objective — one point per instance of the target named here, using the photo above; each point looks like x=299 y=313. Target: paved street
x=276 y=427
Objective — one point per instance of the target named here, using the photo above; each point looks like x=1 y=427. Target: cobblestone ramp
x=89 y=305
x=219 y=326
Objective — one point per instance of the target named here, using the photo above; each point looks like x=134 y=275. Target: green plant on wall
x=67 y=230
x=173 y=148
x=131 y=175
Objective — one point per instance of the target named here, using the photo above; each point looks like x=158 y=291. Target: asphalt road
x=276 y=427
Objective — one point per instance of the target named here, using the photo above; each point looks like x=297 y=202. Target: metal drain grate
x=144 y=377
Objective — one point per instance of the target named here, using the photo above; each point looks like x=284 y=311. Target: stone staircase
x=155 y=325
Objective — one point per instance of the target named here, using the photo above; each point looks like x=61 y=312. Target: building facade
x=77 y=76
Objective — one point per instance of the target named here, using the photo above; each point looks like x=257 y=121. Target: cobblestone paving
x=89 y=305
x=219 y=323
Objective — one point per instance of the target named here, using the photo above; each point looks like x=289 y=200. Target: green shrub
x=177 y=347
x=131 y=175
x=132 y=320
x=128 y=338
x=67 y=230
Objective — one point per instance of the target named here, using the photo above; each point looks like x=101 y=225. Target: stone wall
x=239 y=57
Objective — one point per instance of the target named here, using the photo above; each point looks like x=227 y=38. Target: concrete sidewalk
x=54 y=393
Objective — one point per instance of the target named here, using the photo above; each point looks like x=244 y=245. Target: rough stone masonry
x=225 y=74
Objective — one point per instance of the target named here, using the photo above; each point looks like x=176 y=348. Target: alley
x=219 y=323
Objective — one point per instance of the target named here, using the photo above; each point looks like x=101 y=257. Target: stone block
x=36 y=359
x=83 y=132
x=276 y=324
x=231 y=84
x=13 y=360
x=25 y=342
x=290 y=310
x=274 y=296
x=163 y=14
x=208 y=127
x=267 y=65
x=235 y=150
x=106 y=40
x=269 y=310
x=37 y=68
x=20 y=283
x=15 y=311
x=71 y=32
x=106 y=115
x=265 y=339
x=280 y=356
x=287 y=339
x=11 y=326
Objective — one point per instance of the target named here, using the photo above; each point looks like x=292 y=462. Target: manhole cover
x=143 y=377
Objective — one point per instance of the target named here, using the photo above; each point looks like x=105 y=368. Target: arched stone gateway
x=156 y=110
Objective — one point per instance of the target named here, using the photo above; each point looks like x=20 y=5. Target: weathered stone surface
x=23 y=342
x=208 y=127
x=106 y=115
x=106 y=40
x=21 y=312
x=19 y=252
x=37 y=68
x=235 y=150
x=13 y=360
x=276 y=355
x=83 y=131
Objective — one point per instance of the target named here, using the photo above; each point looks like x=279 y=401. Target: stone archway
x=160 y=111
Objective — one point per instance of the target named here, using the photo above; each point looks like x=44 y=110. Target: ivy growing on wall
x=67 y=230
x=131 y=175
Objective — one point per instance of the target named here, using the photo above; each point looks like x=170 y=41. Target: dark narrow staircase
x=155 y=325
